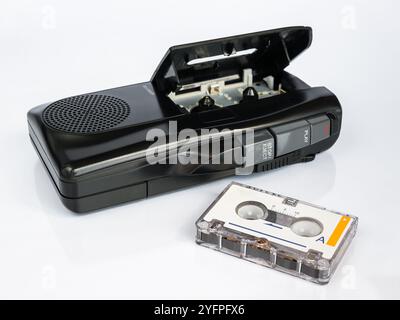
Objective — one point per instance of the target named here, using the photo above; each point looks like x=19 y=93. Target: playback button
x=320 y=128
x=291 y=136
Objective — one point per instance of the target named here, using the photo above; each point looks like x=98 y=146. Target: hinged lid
x=266 y=52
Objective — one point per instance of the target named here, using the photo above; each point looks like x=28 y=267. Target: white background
x=145 y=249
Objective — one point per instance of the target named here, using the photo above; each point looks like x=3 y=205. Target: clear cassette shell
x=278 y=232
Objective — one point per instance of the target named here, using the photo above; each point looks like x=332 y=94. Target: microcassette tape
x=275 y=231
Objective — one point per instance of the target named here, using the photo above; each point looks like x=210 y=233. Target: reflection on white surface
x=130 y=228
x=142 y=225
x=146 y=249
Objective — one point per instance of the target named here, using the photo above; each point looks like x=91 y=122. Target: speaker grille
x=86 y=113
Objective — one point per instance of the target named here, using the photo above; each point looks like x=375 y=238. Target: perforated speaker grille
x=86 y=113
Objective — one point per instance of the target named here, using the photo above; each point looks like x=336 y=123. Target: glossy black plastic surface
x=64 y=154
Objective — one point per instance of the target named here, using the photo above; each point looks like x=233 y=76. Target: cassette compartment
x=209 y=75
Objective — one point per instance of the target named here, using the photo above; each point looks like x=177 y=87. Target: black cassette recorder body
x=94 y=146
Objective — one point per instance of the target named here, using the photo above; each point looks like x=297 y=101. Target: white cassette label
x=310 y=227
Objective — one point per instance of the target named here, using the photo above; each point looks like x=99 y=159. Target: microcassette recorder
x=105 y=148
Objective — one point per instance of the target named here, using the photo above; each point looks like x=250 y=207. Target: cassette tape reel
x=279 y=232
